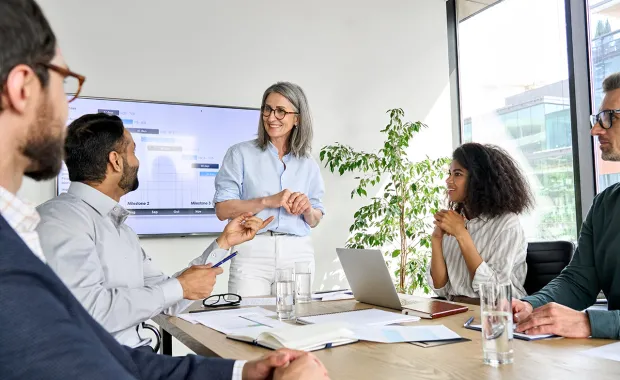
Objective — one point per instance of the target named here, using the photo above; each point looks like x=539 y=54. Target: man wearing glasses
x=557 y=308
x=45 y=333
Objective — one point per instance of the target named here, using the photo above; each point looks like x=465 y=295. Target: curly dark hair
x=495 y=184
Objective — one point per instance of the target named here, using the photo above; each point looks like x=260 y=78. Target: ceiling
x=466 y=8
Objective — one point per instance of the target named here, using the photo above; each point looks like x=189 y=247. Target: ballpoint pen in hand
x=225 y=259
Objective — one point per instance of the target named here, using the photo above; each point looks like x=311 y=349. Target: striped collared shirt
x=23 y=218
x=502 y=245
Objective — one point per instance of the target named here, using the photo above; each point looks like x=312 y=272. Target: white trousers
x=252 y=271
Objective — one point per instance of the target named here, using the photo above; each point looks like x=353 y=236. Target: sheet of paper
x=322 y=296
x=608 y=351
x=363 y=317
x=400 y=334
x=226 y=321
x=339 y=296
x=258 y=301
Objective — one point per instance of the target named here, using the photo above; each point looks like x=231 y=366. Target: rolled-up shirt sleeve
x=441 y=292
x=508 y=247
x=317 y=189
x=229 y=179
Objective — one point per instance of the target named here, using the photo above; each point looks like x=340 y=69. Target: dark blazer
x=45 y=333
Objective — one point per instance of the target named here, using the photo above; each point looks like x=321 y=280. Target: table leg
x=166 y=342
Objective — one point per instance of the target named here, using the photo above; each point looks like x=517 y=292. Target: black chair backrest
x=545 y=260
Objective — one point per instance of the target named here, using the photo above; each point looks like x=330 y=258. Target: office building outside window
x=515 y=94
x=605 y=60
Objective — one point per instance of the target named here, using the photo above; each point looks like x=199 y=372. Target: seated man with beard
x=88 y=245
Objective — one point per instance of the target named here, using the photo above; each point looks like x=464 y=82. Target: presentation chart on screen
x=180 y=148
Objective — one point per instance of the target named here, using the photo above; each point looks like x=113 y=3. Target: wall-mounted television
x=180 y=148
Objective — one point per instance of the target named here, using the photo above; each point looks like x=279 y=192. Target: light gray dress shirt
x=98 y=257
x=502 y=245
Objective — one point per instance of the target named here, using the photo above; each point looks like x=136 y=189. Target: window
x=515 y=94
x=605 y=60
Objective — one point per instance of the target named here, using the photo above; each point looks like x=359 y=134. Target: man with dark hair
x=595 y=266
x=87 y=243
x=45 y=332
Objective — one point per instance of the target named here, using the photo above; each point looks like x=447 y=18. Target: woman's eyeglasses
x=604 y=118
x=219 y=300
x=280 y=113
x=73 y=82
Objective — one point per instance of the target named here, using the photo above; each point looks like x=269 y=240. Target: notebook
x=303 y=338
x=516 y=335
x=373 y=317
x=430 y=308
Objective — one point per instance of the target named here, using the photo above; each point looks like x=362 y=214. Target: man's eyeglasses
x=72 y=81
x=219 y=300
x=604 y=118
x=279 y=112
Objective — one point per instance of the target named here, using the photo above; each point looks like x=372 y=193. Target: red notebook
x=431 y=308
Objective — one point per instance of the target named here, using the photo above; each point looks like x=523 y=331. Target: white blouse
x=502 y=245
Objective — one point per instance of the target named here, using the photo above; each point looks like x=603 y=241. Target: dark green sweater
x=594 y=267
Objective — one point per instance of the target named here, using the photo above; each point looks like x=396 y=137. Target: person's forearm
x=117 y=309
x=470 y=253
x=439 y=271
x=313 y=217
x=233 y=208
x=220 y=252
x=605 y=323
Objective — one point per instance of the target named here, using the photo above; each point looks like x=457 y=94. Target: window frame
x=580 y=94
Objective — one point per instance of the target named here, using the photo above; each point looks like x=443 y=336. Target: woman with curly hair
x=480 y=238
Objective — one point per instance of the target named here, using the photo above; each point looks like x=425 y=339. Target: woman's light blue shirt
x=248 y=172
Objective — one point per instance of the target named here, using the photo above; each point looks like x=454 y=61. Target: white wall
x=354 y=58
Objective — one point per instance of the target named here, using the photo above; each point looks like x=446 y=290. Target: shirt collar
x=22 y=216
x=272 y=148
x=103 y=204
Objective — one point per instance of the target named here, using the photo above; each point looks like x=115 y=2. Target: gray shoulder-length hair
x=300 y=140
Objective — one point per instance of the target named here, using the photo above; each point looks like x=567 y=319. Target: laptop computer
x=369 y=278
x=371 y=283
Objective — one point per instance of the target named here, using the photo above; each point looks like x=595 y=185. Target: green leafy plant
x=398 y=219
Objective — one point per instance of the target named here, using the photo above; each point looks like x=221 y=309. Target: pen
x=215 y=309
x=225 y=260
x=469 y=321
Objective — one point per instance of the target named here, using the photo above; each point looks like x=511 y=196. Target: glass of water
x=497 y=328
x=285 y=293
x=303 y=281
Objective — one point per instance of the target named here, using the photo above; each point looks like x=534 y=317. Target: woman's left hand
x=299 y=203
x=450 y=222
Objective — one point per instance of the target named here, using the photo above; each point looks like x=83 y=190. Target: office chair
x=155 y=331
x=545 y=261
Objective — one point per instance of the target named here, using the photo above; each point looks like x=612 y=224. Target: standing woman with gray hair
x=273 y=175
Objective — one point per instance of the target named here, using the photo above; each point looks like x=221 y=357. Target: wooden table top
x=545 y=359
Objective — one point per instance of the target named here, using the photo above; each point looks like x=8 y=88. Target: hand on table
x=551 y=318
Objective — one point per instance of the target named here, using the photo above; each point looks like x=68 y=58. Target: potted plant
x=398 y=219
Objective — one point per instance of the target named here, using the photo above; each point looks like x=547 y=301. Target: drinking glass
x=285 y=293
x=303 y=281
x=497 y=328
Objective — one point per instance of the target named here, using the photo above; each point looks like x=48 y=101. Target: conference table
x=549 y=359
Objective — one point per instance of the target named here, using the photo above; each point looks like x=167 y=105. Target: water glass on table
x=303 y=281
x=285 y=293
x=497 y=327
